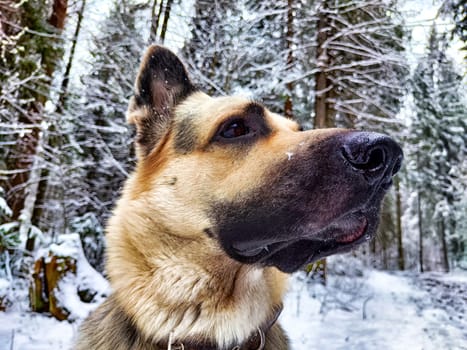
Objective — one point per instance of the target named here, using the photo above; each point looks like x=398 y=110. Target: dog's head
x=247 y=180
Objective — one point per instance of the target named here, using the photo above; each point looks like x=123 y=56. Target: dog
x=227 y=199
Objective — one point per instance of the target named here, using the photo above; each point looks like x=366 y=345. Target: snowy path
x=380 y=311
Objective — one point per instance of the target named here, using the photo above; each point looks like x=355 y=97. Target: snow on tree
x=65 y=148
x=360 y=63
x=439 y=139
x=105 y=142
x=239 y=47
x=360 y=78
x=353 y=50
x=35 y=35
x=457 y=10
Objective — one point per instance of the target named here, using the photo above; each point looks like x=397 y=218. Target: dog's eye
x=236 y=128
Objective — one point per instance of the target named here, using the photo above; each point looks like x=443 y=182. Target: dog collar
x=256 y=341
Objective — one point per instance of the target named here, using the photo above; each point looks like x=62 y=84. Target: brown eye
x=234 y=129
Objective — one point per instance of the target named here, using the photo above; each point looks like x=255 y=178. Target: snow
x=4 y=286
x=70 y=299
x=4 y=207
x=390 y=312
x=10 y=226
x=68 y=245
x=365 y=311
x=455 y=276
x=28 y=331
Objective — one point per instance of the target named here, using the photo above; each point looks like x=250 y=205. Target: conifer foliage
x=439 y=139
x=104 y=139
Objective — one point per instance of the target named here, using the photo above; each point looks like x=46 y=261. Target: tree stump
x=45 y=288
x=37 y=290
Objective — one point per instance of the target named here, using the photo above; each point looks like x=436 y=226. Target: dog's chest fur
x=188 y=314
x=110 y=328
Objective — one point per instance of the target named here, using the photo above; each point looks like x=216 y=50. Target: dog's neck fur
x=167 y=292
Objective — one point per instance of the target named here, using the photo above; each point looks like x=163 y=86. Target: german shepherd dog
x=227 y=198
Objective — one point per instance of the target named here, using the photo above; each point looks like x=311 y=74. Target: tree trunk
x=58 y=16
x=322 y=115
x=321 y=85
x=56 y=20
x=66 y=76
x=168 y=7
x=420 y=232
x=37 y=183
x=444 y=246
x=384 y=251
x=31 y=192
x=288 y=106
x=155 y=19
x=400 y=247
x=21 y=162
x=23 y=184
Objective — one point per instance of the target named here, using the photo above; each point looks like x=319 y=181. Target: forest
x=67 y=69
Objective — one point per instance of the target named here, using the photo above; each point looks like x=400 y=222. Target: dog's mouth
x=339 y=236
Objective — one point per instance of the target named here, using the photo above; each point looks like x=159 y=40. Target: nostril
x=369 y=161
x=375 y=156
x=376 y=159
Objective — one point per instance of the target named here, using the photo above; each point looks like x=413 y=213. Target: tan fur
x=168 y=275
x=215 y=297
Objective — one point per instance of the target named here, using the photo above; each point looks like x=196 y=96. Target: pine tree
x=457 y=10
x=105 y=141
x=439 y=132
x=353 y=49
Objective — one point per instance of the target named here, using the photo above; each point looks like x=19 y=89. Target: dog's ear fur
x=161 y=84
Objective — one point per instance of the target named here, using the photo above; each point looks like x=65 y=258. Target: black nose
x=377 y=157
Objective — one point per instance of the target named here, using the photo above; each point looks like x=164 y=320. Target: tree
x=457 y=10
x=158 y=12
x=220 y=54
x=30 y=67
x=359 y=77
x=105 y=142
x=359 y=62
x=439 y=130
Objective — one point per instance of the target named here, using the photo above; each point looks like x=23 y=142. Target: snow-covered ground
x=378 y=310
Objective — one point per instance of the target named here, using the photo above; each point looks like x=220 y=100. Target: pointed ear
x=162 y=83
